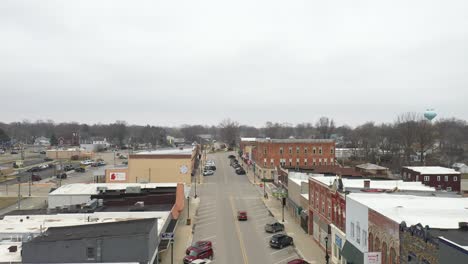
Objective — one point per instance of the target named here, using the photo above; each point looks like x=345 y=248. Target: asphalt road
x=221 y=196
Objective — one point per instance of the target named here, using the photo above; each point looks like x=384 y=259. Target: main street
x=221 y=196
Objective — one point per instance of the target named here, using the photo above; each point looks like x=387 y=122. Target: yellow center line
x=239 y=234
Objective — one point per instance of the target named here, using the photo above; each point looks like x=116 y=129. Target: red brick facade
x=291 y=153
x=448 y=182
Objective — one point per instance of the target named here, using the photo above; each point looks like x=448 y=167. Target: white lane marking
x=204 y=224
x=290 y=257
x=208 y=238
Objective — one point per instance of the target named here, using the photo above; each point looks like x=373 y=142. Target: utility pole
x=172 y=251
x=19 y=192
x=189 y=222
x=30 y=180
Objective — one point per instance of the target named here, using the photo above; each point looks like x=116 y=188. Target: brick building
x=438 y=177
x=292 y=153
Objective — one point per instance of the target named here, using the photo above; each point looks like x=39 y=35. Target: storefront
x=338 y=239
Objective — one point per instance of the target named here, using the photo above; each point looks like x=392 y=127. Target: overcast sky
x=187 y=62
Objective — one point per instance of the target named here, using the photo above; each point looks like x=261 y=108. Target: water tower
x=430 y=114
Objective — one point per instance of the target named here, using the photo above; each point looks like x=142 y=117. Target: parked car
x=87 y=162
x=62 y=176
x=199 y=244
x=281 y=240
x=231 y=156
x=242 y=215
x=101 y=163
x=42 y=152
x=201 y=261
x=274 y=227
x=36 y=177
x=80 y=169
x=43 y=166
x=240 y=171
x=68 y=168
x=122 y=157
x=198 y=253
x=14 y=152
x=211 y=167
x=33 y=169
x=298 y=261
x=208 y=172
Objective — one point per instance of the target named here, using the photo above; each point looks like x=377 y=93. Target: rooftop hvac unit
x=101 y=189
x=133 y=189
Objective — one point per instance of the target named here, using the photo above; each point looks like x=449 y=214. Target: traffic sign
x=167 y=236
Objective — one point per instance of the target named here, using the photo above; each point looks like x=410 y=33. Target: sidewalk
x=304 y=243
x=183 y=234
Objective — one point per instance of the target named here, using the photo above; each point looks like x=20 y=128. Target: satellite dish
x=430 y=114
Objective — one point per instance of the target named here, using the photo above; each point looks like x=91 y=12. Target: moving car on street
x=281 y=241
x=80 y=169
x=242 y=215
x=36 y=177
x=62 y=176
x=240 y=171
x=274 y=227
x=201 y=261
x=298 y=261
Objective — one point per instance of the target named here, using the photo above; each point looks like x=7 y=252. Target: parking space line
x=285 y=259
x=208 y=238
x=199 y=225
x=277 y=251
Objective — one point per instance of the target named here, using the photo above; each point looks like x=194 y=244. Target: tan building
x=58 y=154
x=161 y=166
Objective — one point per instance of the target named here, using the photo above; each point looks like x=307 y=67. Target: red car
x=298 y=261
x=198 y=253
x=242 y=215
x=199 y=244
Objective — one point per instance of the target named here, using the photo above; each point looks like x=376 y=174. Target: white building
x=42 y=141
x=80 y=193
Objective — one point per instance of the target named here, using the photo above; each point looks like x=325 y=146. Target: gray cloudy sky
x=176 y=62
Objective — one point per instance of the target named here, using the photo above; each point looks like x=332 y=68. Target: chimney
x=13 y=248
x=366 y=184
x=463 y=226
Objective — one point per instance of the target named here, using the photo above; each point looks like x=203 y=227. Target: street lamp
x=189 y=222
x=326 y=250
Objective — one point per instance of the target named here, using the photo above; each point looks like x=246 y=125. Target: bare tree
x=407 y=125
x=325 y=126
x=425 y=138
x=229 y=131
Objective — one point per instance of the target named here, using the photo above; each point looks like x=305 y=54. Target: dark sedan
x=281 y=241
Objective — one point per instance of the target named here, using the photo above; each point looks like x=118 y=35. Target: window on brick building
x=312 y=198
x=455 y=178
x=332 y=150
x=265 y=151
x=417 y=177
x=290 y=150
x=290 y=162
x=446 y=178
x=272 y=162
x=298 y=149
x=313 y=162
x=329 y=210
x=426 y=178
x=323 y=207
x=281 y=151
x=320 y=150
x=438 y=178
x=325 y=161
x=297 y=162
x=320 y=162
x=331 y=161
x=305 y=162
x=314 y=150
x=264 y=163
x=305 y=150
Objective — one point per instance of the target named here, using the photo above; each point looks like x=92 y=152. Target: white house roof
x=245 y=139
x=174 y=151
x=436 y=212
x=432 y=170
x=370 y=166
x=376 y=184
x=92 y=188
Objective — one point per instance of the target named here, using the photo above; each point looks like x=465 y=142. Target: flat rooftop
x=172 y=151
x=432 y=170
x=92 y=188
x=10 y=257
x=295 y=140
x=24 y=224
x=436 y=212
x=375 y=184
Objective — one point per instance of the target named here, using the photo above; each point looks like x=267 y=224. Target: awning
x=352 y=254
